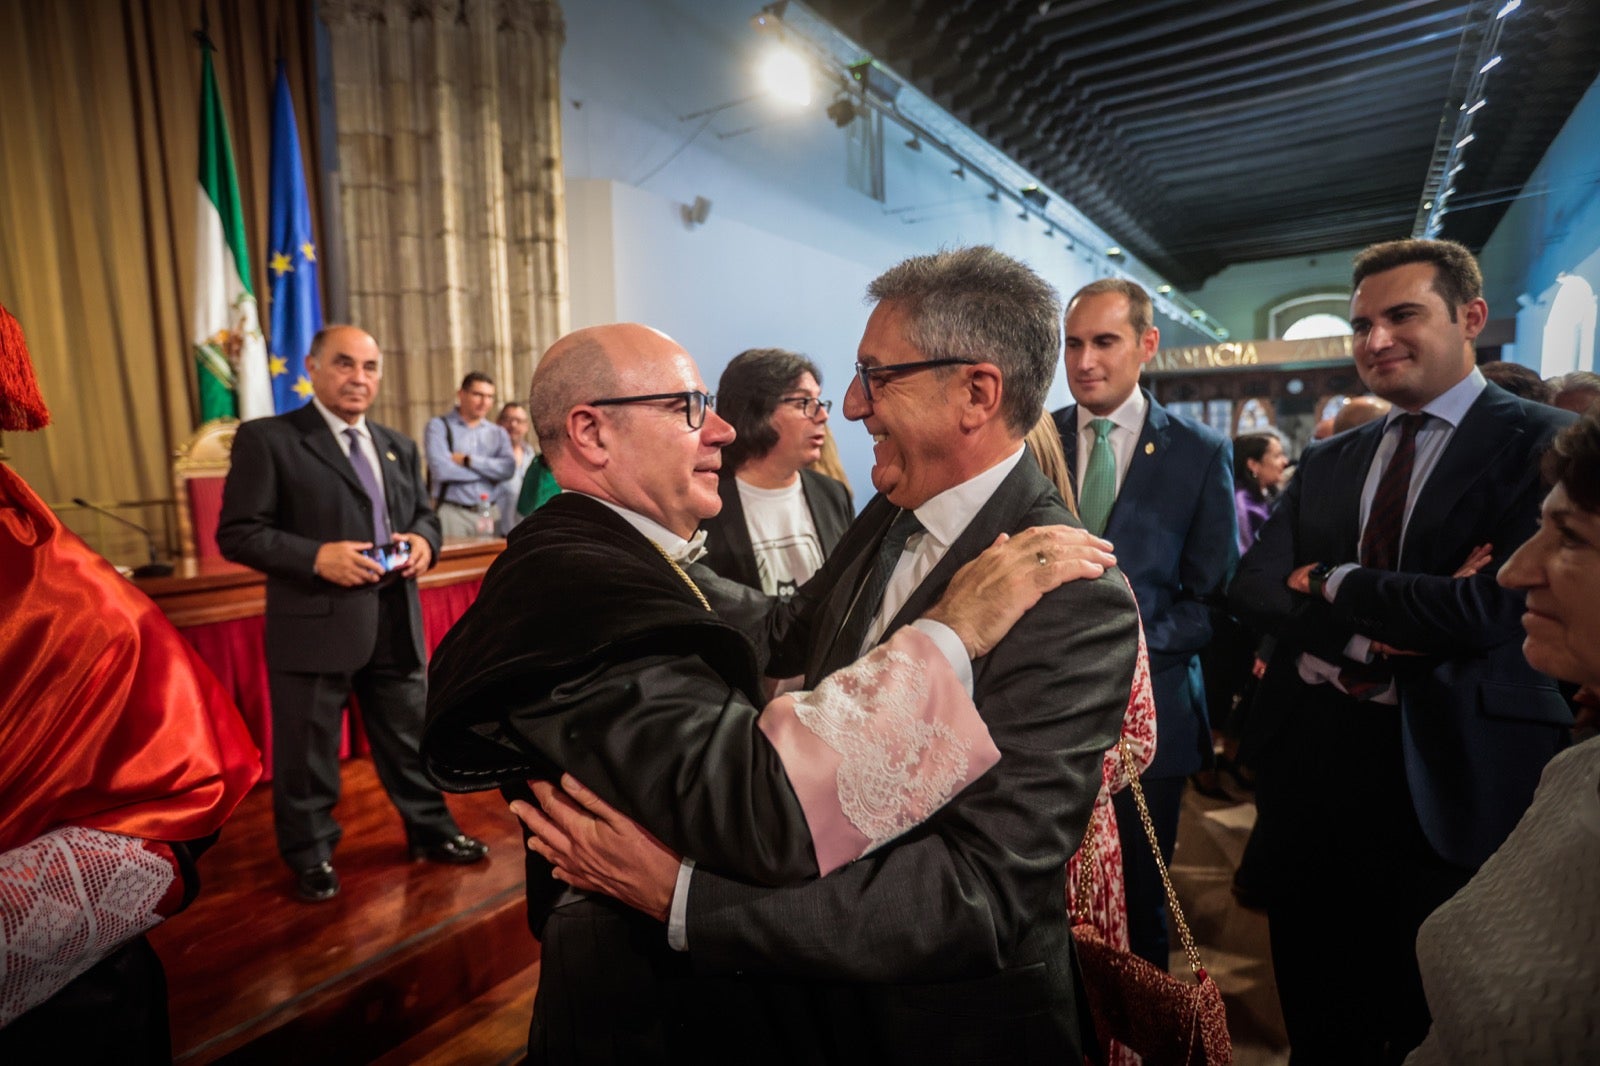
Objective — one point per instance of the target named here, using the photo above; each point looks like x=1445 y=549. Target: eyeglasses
x=809 y=406
x=865 y=374
x=695 y=404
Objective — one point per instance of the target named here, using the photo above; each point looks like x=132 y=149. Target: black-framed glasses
x=865 y=373
x=695 y=404
x=809 y=406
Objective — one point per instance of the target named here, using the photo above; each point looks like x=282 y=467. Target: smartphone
x=391 y=556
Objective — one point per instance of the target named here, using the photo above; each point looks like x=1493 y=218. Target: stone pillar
x=448 y=119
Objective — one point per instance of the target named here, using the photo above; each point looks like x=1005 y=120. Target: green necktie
x=1099 y=480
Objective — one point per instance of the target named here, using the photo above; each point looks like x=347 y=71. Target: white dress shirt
x=1127 y=423
x=337 y=426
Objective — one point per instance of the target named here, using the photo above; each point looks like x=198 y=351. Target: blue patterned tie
x=1099 y=490
x=369 y=481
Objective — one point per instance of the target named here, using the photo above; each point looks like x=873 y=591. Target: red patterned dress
x=1108 y=901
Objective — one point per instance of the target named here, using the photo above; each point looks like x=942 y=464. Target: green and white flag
x=229 y=349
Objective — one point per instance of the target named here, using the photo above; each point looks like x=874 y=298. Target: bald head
x=1358 y=411
x=643 y=455
x=345 y=367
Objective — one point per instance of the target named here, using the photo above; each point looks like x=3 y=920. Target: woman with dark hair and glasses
x=779 y=520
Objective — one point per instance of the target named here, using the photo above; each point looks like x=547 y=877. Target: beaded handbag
x=1163 y=1018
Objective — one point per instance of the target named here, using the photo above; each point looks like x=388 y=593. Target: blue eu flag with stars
x=291 y=260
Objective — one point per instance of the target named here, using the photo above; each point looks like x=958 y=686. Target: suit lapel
x=1491 y=425
x=319 y=441
x=1148 y=450
x=992 y=519
x=735 y=534
x=388 y=466
x=1339 y=506
x=1067 y=427
x=861 y=543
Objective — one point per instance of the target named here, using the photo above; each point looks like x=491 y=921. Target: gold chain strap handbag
x=1163 y=1018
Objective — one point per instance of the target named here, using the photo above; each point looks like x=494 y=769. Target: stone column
x=448 y=120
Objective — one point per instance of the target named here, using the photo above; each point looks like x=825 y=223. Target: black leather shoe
x=316 y=884
x=459 y=850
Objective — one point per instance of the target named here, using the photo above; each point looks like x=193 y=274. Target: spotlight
x=1023 y=214
x=1113 y=251
x=960 y=172
x=1487 y=67
x=994 y=195
x=1035 y=196
x=843 y=112
x=1163 y=289
x=787 y=77
x=770 y=17
x=914 y=144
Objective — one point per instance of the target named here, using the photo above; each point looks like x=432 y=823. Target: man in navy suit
x=1159 y=487
x=1407 y=732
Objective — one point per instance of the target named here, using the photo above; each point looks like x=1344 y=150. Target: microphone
x=150 y=569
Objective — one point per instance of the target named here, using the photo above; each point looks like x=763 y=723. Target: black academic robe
x=586 y=652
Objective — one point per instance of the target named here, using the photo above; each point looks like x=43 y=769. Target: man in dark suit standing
x=1407 y=730
x=1159 y=487
x=309 y=495
x=951 y=943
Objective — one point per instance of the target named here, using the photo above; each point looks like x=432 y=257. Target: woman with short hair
x=779 y=520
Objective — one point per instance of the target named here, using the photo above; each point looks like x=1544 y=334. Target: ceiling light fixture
x=1487 y=67
x=786 y=77
x=1511 y=6
x=914 y=144
x=1468 y=139
x=843 y=111
x=1475 y=108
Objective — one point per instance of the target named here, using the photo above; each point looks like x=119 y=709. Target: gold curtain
x=451 y=202
x=99 y=143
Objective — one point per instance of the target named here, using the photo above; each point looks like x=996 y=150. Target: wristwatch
x=1318 y=577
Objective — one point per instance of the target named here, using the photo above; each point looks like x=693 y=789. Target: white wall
x=785 y=256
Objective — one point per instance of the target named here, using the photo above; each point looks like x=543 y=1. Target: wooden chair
x=199 y=468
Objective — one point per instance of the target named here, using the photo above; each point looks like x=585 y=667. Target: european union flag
x=292 y=262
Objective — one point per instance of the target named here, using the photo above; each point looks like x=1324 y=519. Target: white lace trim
x=66 y=900
x=896 y=768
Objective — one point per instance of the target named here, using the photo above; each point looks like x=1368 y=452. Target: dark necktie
x=1380 y=546
x=369 y=481
x=1380 y=541
x=847 y=646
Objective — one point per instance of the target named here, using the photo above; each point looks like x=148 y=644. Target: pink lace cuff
x=879 y=746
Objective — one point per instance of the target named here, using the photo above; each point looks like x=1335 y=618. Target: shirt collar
x=1129 y=414
x=948 y=514
x=1450 y=405
x=682 y=551
x=338 y=425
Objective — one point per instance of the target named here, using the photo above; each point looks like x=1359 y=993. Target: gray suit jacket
x=954 y=938
x=291 y=489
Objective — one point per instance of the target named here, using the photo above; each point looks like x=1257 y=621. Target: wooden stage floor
x=256 y=976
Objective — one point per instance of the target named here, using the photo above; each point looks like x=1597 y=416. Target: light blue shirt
x=486 y=445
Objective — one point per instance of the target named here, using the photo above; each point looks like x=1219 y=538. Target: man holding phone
x=332 y=508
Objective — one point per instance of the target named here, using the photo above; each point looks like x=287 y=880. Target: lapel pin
x=390 y=456
x=1149 y=448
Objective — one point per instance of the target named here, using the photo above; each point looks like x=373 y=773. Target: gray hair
x=580 y=371
x=980 y=304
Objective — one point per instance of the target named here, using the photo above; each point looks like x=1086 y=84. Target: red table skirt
x=236 y=653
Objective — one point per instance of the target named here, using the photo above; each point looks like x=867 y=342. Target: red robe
x=108 y=718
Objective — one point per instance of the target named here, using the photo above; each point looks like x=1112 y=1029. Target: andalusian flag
x=291 y=260
x=230 y=353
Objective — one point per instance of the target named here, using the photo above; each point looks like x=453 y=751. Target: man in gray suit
x=309 y=496
x=950 y=944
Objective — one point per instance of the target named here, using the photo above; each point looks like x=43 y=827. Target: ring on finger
x=1043 y=559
